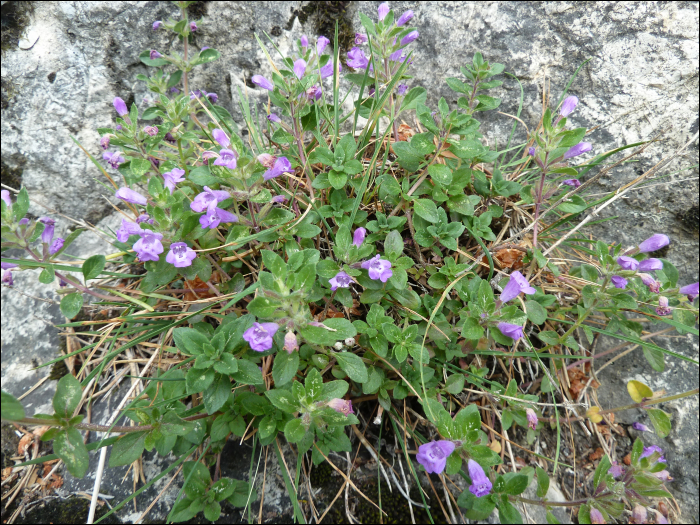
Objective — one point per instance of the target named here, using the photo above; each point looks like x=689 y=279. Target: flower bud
x=409 y=38
x=304 y=41
x=262 y=82
x=382 y=11
x=157 y=25
x=290 y=342
x=401 y=90
x=639 y=514
x=359 y=236
x=578 y=149
x=193 y=26
x=104 y=142
x=531 y=418
x=360 y=39
x=155 y=54
x=404 y=18
x=343 y=406
x=568 y=106
x=321 y=44
x=267 y=160
x=56 y=245
x=653 y=243
x=663 y=308
x=120 y=106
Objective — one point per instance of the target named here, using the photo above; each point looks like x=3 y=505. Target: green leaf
x=208 y=55
x=268 y=426
x=655 y=358
x=472 y=329
x=68 y=445
x=217 y=393
x=454 y=384
x=573 y=204
x=283 y=399
x=94 y=266
x=353 y=366
x=440 y=174
x=468 y=420
x=201 y=175
x=285 y=367
x=660 y=420
x=189 y=341
x=638 y=391
x=71 y=305
x=549 y=337
x=21 y=205
x=338 y=179
x=426 y=209
x=67 y=396
x=542 y=482
x=128 y=449
x=248 y=373
x=393 y=245
x=11 y=409
x=507 y=513
x=515 y=483
x=484 y=455
x=601 y=471
x=47 y=275
x=535 y=312
x=294 y=430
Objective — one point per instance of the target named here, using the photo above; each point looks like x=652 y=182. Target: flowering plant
x=325 y=261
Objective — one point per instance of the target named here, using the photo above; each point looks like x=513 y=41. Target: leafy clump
x=328 y=261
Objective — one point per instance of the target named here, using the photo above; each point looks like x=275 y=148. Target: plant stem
x=545 y=503
x=182 y=158
x=101 y=428
x=183 y=13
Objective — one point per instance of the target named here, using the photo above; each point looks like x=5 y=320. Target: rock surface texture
x=71 y=59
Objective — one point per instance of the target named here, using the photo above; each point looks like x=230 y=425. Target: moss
x=197 y=10
x=15 y=19
x=324 y=15
x=393 y=503
x=12 y=175
x=690 y=218
x=71 y=510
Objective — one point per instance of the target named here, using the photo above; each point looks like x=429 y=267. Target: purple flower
x=327 y=70
x=119 y=127
x=341 y=280
x=531 y=418
x=120 y=106
x=578 y=149
x=304 y=41
x=357 y=59
x=24 y=222
x=359 y=236
x=221 y=138
x=290 y=342
x=531 y=151
x=144 y=218
x=382 y=11
x=321 y=44
x=104 y=142
x=640 y=426
x=663 y=308
x=596 y=516
x=378 y=269
x=649 y=265
x=627 y=263
x=517 y=283
x=227 y=158
x=113 y=159
x=653 y=284
x=639 y=514
x=47 y=234
x=691 y=290
x=208 y=199
x=299 y=68
x=343 y=406
x=204 y=48
x=193 y=26
x=409 y=38
x=157 y=25
x=648 y=451
x=56 y=245
x=131 y=196
x=172 y=178
x=279 y=199
x=7 y=266
x=513 y=331
x=262 y=82
x=574 y=183
x=180 y=255
x=169 y=138
x=396 y=55
x=281 y=166
x=127 y=228
x=313 y=93
x=195 y=94
x=7 y=278
x=616 y=470
x=213 y=97
x=149 y=246
x=658 y=517
x=259 y=336
x=360 y=39
x=267 y=160
x=404 y=18
x=155 y=54
x=151 y=130
x=481 y=485
x=215 y=216
x=619 y=282
x=653 y=243
x=663 y=475
x=568 y=106
x=433 y=455
x=6 y=197
x=401 y=90
x=273 y=118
